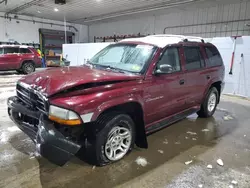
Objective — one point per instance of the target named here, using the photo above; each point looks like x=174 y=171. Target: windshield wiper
x=88 y=62
x=108 y=67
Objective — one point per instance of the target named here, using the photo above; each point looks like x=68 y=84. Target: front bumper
x=50 y=143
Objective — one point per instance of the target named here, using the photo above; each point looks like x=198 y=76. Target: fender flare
x=141 y=137
x=209 y=86
x=23 y=61
x=115 y=102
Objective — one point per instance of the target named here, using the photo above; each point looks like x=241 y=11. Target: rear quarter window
x=214 y=57
x=25 y=51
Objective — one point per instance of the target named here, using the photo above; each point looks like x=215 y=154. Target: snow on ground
x=13 y=129
x=141 y=161
x=6 y=94
x=8 y=84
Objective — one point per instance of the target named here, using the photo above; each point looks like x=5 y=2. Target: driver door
x=166 y=94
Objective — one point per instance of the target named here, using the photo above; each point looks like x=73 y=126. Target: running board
x=170 y=120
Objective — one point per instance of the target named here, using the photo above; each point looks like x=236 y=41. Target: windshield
x=125 y=57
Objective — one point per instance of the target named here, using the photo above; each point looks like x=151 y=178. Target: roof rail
x=190 y=38
x=182 y=37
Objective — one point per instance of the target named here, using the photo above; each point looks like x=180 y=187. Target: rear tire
x=28 y=67
x=210 y=103
x=114 y=139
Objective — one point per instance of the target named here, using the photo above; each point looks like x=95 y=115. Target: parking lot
x=177 y=156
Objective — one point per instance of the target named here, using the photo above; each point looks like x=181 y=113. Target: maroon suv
x=23 y=59
x=127 y=90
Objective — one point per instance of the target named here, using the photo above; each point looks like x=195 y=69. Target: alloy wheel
x=118 y=143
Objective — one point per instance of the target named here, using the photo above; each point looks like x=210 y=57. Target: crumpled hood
x=54 y=80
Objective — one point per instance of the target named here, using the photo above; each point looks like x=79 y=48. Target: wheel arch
x=26 y=61
x=135 y=110
x=217 y=85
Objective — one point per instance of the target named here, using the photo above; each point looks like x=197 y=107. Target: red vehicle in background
x=23 y=59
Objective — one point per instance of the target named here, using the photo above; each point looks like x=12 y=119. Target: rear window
x=214 y=58
x=11 y=50
x=194 y=59
x=25 y=51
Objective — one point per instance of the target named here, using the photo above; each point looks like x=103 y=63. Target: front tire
x=115 y=139
x=210 y=103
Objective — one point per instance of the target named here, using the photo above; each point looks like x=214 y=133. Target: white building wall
x=239 y=82
x=27 y=32
x=207 y=20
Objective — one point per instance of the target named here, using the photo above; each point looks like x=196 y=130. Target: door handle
x=182 y=82
x=208 y=77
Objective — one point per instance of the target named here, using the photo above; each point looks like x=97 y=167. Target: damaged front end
x=29 y=112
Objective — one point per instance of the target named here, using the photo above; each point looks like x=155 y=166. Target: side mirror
x=164 y=69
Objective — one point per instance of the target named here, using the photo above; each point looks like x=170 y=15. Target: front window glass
x=171 y=57
x=125 y=57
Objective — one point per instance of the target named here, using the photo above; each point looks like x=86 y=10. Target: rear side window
x=1 y=51
x=214 y=58
x=194 y=59
x=11 y=50
x=25 y=51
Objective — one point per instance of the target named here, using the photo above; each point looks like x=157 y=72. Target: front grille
x=31 y=98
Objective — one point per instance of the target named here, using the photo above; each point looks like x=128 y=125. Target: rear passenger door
x=195 y=75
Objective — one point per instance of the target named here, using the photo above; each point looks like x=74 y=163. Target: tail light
x=37 y=54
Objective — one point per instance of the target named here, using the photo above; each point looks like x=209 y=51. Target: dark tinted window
x=194 y=59
x=1 y=50
x=213 y=57
x=11 y=50
x=171 y=57
x=25 y=51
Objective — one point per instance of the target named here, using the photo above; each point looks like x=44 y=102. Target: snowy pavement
x=7 y=84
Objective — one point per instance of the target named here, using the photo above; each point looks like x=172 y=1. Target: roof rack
x=15 y=45
x=182 y=37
